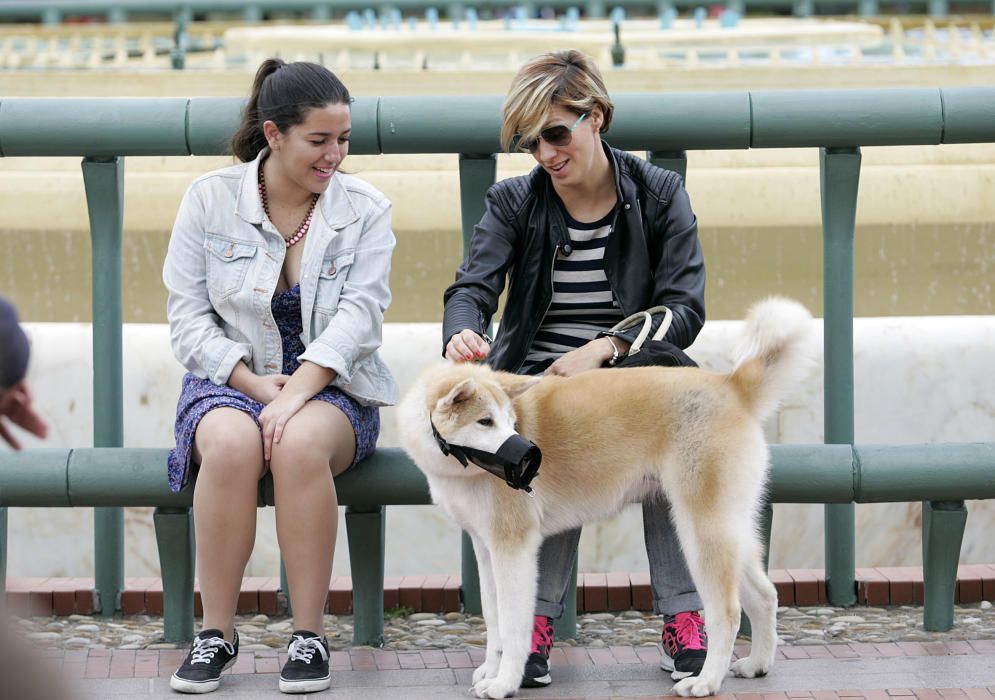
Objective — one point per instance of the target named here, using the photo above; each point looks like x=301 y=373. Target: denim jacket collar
x=334 y=205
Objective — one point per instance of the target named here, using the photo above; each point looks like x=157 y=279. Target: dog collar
x=516 y=461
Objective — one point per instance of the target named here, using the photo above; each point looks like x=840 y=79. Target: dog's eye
x=487 y=422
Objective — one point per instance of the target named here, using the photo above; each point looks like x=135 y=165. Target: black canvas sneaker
x=209 y=655
x=306 y=671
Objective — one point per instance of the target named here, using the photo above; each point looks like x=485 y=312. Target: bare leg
x=229 y=448
x=318 y=443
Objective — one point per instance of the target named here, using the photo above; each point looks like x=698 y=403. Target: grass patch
x=394 y=613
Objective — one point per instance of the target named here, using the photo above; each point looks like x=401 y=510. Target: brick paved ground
x=904 y=671
x=117 y=663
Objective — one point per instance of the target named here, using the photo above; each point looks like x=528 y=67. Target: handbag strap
x=630 y=321
x=647 y=319
x=668 y=317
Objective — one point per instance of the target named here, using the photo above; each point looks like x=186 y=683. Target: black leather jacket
x=653 y=258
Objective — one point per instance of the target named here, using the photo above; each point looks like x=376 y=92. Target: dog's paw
x=483 y=671
x=494 y=688
x=750 y=667
x=695 y=687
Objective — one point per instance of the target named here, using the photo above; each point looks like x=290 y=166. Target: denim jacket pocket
x=227 y=263
x=331 y=278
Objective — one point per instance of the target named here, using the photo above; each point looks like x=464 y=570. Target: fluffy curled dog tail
x=774 y=353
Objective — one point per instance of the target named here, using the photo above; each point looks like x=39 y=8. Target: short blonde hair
x=567 y=78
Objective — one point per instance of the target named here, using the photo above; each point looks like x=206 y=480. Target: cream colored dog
x=609 y=437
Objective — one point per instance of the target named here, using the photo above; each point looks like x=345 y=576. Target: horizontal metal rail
x=799 y=474
x=470 y=124
x=117 y=10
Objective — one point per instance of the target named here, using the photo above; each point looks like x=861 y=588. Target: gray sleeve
x=14 y=348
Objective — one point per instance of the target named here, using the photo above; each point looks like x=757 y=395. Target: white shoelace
x=302 y=649
x=205 y=649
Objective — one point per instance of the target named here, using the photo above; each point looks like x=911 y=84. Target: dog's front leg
x=485 y=573
x=514 y=575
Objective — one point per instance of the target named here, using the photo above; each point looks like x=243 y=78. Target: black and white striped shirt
x=583 y=304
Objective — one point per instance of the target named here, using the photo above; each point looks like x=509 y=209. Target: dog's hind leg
x=488 y=603
x=514 y=566
x=712 y=553
x=760 y=603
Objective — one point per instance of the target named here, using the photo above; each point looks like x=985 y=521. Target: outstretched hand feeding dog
x=607 y=438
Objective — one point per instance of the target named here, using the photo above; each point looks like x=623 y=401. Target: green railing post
x=617 y=50
x=566 y=625
x=476 y=174
x=175 y=538
x=284 y=586
x=595 y=9
x=469 y=577
x=3 y=555
x=183 y=14
x=867 y=8
x=181 y=41
x=366 y=535
x=839 y=171
x=670 y=160
x=252 y=14
x=51 y=17
x=938 y=9
x=321 y=13
x=117 y=16
x=803 y=8
x=942 y=533
x=104 y=183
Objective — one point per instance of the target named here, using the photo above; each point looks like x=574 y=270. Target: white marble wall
x=917 y=380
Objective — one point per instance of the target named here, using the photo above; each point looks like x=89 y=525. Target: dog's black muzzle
x=516 y=461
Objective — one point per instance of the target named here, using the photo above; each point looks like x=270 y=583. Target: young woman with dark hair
x=277 y=272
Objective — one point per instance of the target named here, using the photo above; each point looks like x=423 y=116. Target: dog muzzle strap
x=516 y=461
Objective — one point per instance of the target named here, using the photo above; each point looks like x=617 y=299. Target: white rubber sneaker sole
x=667 y=664
x=537 y=682
x=311 y=686
x=196 y=687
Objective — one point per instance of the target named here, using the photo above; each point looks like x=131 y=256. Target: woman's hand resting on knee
x=300 y=388
x=274 y=418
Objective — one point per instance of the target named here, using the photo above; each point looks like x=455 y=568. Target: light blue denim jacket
x=223 y=264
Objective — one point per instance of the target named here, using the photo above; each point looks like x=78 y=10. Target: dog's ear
x=514 y=385
x=459 y=393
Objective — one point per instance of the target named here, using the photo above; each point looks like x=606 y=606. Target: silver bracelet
x=616 y=355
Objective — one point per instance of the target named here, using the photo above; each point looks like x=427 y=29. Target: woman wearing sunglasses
x=590 y=236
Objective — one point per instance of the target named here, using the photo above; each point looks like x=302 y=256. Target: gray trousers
x=673 y=589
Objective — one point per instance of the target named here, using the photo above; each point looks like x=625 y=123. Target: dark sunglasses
x=558 y=135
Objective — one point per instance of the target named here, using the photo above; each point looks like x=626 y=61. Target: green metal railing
x=120 y=11
x=838 y=122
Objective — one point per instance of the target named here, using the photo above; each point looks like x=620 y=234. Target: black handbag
x=651 y=352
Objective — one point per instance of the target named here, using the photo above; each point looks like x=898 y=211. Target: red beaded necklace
x=305 y=224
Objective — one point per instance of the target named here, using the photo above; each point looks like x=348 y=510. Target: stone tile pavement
x=898 y=671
